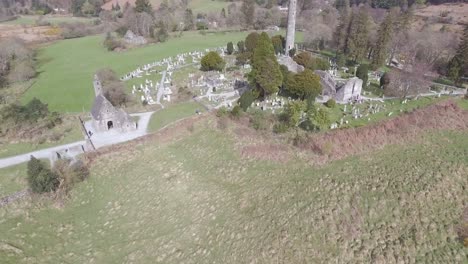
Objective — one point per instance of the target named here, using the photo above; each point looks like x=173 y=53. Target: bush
x=362 y=73
x=70 y=173
x=212 y=62
x=230 y=48
x=236 y=111
x=221 y=112
x=246 y=99
x=280 y=128
x=202 y=26
x=112 y=43
x=122 y=30
x=385 y=80
x=330 y=103
x=258 y=120
x=40 y=178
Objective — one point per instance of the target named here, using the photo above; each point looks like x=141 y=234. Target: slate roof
x=100 y=104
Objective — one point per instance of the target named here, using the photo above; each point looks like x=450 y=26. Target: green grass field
x=206 y=6
x=12 y=179
x=173 y=113
x=197 y=201
x=67 y=67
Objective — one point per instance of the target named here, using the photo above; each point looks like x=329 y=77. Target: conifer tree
x=358 y=35
x=248 y=12
x=188 y=19
x=342 y=30
x=230 y=48
x=266 y=75
x=384 y=36
x=458 y=65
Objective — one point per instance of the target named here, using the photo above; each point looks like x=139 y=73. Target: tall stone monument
x=291 y=30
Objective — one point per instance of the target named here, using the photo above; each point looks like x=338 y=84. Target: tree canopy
x=212 y=62
x=266 y=75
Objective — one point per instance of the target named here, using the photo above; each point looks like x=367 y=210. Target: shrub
x=122 y=30
x=70 y=173
x=112 y=43
x=221 y=112
x=292 y=52
x=317 y=119
x=280 y=128
x=236 y=111
x=212 y=62
x=202 y=25
x=385 y=80
x=258 y=120
x=240 y=47
x=331 y=103
x=362 y=73
x=40 y=178
x=246 y=99
x=230 y=48
x=304 y=84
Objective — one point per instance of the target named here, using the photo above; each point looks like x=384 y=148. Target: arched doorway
x=110 y=125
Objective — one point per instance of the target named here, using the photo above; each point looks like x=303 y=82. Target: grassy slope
x=12 y=179
x=196 y=201
x=67 y=67
x=172 y=113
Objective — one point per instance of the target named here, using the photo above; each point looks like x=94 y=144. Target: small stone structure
x=133 y=39
x=106 y=116
x=351 y=90
x=290 y=63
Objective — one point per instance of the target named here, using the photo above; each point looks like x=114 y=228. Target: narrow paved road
x=40 y=154
x=99 y=140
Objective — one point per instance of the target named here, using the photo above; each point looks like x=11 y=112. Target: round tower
x=291 y=29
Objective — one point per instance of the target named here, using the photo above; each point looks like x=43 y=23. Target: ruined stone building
x=350 y=90
x=108 y=117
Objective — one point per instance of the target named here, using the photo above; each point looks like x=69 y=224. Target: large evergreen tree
x=305 y=84
x=342 y=30
x=358 y=35
x=248 y=12
x=266 y=75
x=458 y=65
x=383 y=39
x=188 y=19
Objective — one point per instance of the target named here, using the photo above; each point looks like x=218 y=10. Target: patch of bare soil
x=451 y=15
x=29 y=34
x=409 y=127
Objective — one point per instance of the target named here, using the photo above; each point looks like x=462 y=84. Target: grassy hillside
x=67 y=67
x=196 y=200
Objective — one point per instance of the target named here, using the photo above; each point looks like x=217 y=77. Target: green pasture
x=12 y=179
x=207 y=6
x=173 y=113
x=67 y=67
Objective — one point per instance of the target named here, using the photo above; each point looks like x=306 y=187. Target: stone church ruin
x=108 y=117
